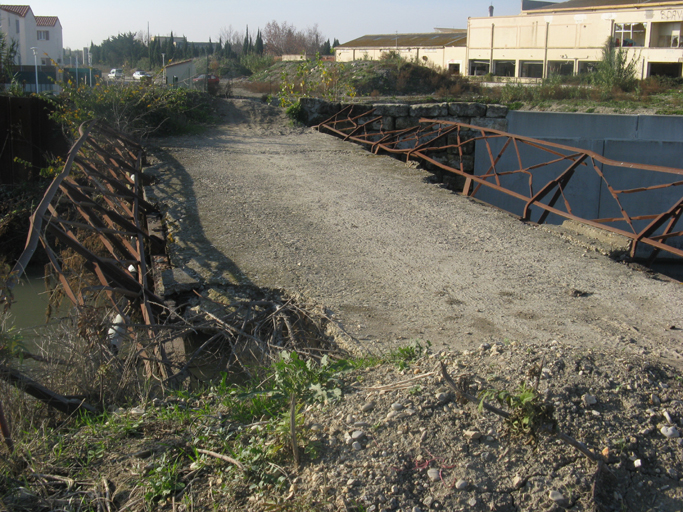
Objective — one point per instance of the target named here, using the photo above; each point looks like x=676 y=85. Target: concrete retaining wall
x=653 y=140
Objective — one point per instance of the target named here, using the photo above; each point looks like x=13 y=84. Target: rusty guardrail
x=433 y=138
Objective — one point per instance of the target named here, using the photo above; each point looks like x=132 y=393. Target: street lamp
x=163 y=68
x=35 y=61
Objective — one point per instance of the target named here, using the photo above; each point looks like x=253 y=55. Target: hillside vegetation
x=395 y=78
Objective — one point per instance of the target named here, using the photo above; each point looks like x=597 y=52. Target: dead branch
x=292 y=425
x=222 y=457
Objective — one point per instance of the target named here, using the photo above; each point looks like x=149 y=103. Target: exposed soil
x=392 y=256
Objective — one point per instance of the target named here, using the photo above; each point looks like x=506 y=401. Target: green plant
x=403 y=356
x=529 y=414
x=163 y=480
x=615 y=69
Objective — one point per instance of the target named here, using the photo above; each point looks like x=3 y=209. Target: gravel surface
x=392 y=256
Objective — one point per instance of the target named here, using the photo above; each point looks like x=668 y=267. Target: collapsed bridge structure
x=541 y=178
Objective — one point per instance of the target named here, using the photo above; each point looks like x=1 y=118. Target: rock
x=137 y=411
x=362 y=424
x=357 y=435
x=357 y=446
x=352 y=482
x=461 y=485
x=427 y=502
x=588 y=400
x=368 y=407
x=434 y=475
x=316 y=428
x=486 y=456
x=416 y=509
x=670 y=432
x=443 y=397
x=472 y=434
x=472 y=502
x=484 y=346
x=637 y=463
x=397 y=406
x=517 y=482
x=655 y=400
x=558 y=498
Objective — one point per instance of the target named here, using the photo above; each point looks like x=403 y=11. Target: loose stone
x=357 y=435
x=670 y=432
x=558 y=497
x=357 y=446
x=368 y=407
x=461 y=485
x=434 y=475
x=397 y=406
x=589 y=400
x=472 y=434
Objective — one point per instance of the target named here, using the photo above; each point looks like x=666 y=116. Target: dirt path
x=391 y=255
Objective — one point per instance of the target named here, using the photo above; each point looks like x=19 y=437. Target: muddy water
x=27 y=314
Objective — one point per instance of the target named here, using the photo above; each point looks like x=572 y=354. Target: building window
x=453 y=69
x=43 y=35
x=504 y=67
x=17 y=25
x=629 y=34
x=560 y=67
x=670 y=69
x=479 y=67
x=666 y=35
x=587 y=67
x=531 y=69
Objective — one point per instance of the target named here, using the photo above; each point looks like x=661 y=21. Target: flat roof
x=407 y=40
x=572 y=5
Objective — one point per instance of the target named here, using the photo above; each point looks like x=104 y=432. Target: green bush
x=615 y=70
x=140 y=110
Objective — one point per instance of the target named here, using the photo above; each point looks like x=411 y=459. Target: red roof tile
x=21 y=10
x=46 y=21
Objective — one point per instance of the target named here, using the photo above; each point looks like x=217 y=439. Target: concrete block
x=406 y=122
x=572 y=125
x=467 y=109
x=392 y=109
x=430 y=110
x=662 y=128
x=496 y=111
x=385 y=124
x=495 y=123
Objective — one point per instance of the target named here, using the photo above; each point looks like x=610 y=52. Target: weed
x=529 y=415
x=403 y=356
x=163 y=480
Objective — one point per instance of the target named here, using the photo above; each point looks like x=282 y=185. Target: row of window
x=662 y=35
x=534 y=69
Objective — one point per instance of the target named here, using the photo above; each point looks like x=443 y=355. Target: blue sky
x=84 y=21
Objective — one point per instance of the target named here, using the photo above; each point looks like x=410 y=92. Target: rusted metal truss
x=535 y=178
x=102 y=183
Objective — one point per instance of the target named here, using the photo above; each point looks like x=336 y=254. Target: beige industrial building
x=445 y=49
x=545 y=38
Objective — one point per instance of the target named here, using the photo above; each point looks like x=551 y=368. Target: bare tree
x=281 y=39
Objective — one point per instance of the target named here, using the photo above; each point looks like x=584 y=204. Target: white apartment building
x=44 y=33
x=568 y=37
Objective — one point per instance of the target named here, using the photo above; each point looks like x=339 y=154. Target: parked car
x=210 y=79
x=141 y=75
x=115 y=73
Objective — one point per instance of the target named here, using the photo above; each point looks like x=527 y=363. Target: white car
x=141 y=75
x=115 y=74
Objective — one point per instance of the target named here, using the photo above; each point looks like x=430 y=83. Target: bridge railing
x=538 y=178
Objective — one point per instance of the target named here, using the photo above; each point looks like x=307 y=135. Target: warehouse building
x=546 y=38
x=445 y=49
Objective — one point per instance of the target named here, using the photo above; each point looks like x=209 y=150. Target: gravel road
x=393 y=256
